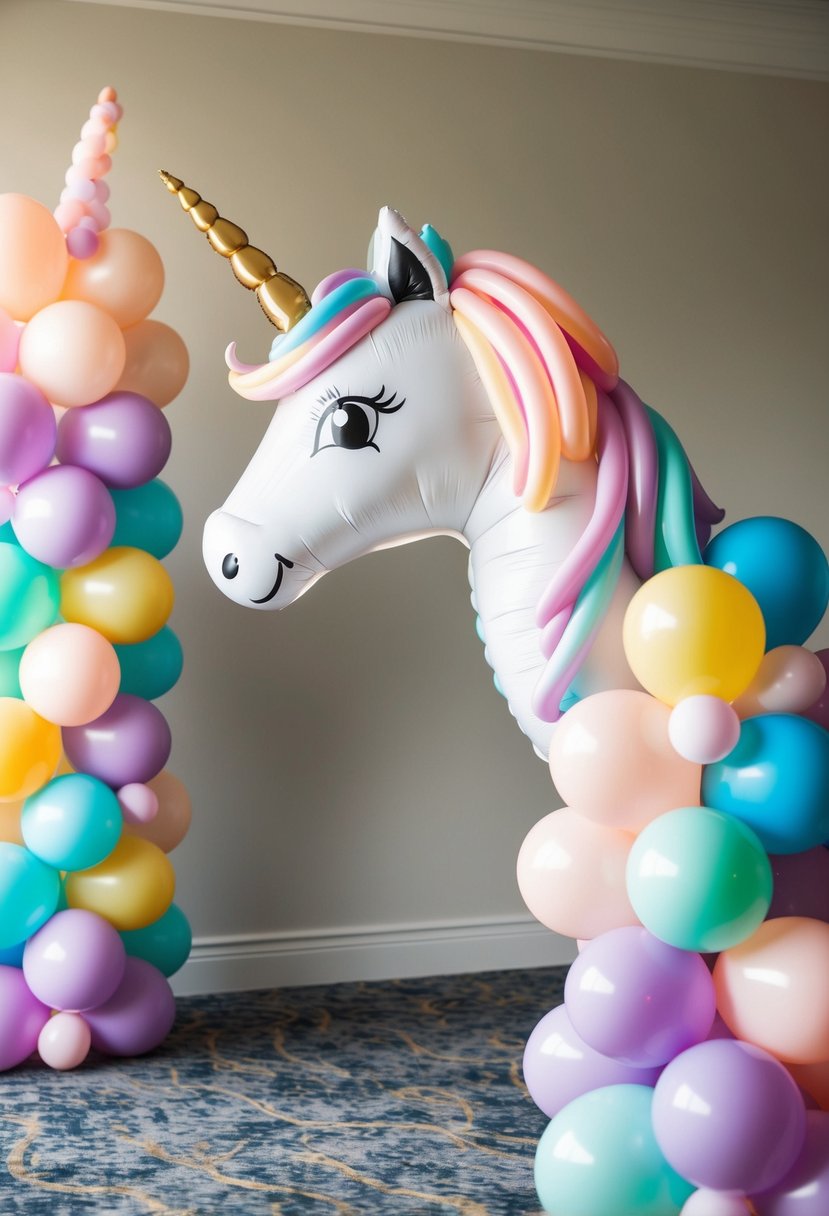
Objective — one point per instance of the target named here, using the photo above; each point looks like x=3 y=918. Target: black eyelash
x=383 y=407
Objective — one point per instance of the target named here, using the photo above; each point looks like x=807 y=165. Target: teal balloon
x=151 y=668
x=12 y=956
x=783 y=567
x=29 y=894
x=776 y=780
x=699 y=879
x=7 y=536
x=29 y=597
x=148 y=517
x=10 y=672
x=165 y=943
x=73 y=822
x=599 y=1157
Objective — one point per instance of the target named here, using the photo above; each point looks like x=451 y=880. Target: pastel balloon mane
x=470 y=397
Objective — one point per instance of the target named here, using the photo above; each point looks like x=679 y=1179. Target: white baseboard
x=370 y=952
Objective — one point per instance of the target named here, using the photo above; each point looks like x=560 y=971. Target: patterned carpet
x=398 y=1097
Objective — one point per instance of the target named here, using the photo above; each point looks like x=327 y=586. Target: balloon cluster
x=88 y=813
x=689 y=862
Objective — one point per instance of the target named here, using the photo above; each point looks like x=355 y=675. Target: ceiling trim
x=771 y=37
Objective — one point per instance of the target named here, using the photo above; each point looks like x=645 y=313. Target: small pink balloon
x=68 y=214
x=92 y=145
x=703 y=729
x=789 y=680
x=139 y=804
x=82 y=243
x=64 y=1041
x=102 y=192
x=83 y=190
x=100 y=214
x=9 y=342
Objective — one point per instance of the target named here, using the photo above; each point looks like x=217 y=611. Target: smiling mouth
x=283 y=563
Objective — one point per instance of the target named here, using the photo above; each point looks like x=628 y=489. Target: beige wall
x=349 y=761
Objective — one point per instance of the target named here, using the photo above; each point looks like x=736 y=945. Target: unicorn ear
x=403 y=264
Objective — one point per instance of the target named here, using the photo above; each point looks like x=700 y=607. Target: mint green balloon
x=147 y=517
x=599 y=1157
x=10 y=672
x=29 y=893
x=151 y=668
x=165 y=943
x=29 y=597
x=699 y=879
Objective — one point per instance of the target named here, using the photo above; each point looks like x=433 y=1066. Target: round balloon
x=128 y=743
x=131 y=889
x=125 y=276
x=693 y=630
x=29 y=597
x=599 y=1157
x=165 y=943
x=139 y=1014
x=70 y=674
x=804 y=1190
x=148 y=517
x=73 y=351
x=623 y=733
x=776 y=780
x=72 y=823
x=22 y=1017
x=170 y=825
x=728 y=1116
x=699 y=879
x=28 y=430
x=64 y=516
x=75 y=962
x=156 y=364
x=773 y=989
x=125 y=594
x=123 y=438
x=29 y=893
x=33 y=257
x=64 y=1041
x=29 y=750
x=632 y=997
x=789 y=680
x=703 y=729
x=819 y=710
x=9 y=341
x=783 y=567
x=10 y=673
x=150 y=669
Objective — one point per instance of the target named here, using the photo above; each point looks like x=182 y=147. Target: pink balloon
x=571 y=874
x=790 y=680
x=69 y=674
x=715 y=1203
x=139 y=803
x=612 y=758
x=73 y=351
x=64 y=1041
x=703 y=729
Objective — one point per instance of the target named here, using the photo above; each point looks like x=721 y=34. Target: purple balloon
x=819 y=712
x=631 y=996
x=727 y=1115
x=804 y=1191
x=124 y=438
x=27 y=430
x=64 y=517
x=130 y=742
x=22 y=1017
x=801 y=885
x=559 y=1066
x=138 y=1016
x=75 y=962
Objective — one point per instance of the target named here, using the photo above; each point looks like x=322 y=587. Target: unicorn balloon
x=471 y=398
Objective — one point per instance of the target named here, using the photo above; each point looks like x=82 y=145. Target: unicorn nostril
x=230 y=565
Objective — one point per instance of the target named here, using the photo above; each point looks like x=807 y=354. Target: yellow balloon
x=126 y=594
x=29 y=750
x=694 y=630
x=10 y=832
x=131 y=888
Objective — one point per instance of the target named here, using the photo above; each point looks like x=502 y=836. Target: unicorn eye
x=351 y=422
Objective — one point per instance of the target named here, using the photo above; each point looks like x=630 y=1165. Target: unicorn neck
x=513 y=555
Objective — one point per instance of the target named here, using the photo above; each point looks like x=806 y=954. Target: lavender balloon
x=124 y=438
x=728 y=1116
x=75 y=962
x=130 y=742
x=804 y=1191
x=27 y=430
x=559 y=1066
x=631 y=996
x=64 y=517
x=22 y=1017
x=138 y=1016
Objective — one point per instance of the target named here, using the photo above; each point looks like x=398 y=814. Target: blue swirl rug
x=400 y=1097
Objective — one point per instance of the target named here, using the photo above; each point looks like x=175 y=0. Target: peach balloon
x=33 y=257
x=73 y=351
x=70 y=674
x=130 y=888
x=612 y=758
x=29 y=750
x=571 y=875
x=9 y=342
x=125 y=277
x=789 y=680
x=170 y=824
x=10 y=822
x=157 y=362
x=64 y=1041
x=773 y=989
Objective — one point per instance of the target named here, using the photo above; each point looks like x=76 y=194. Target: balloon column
x=88 y=813
x=690 y=863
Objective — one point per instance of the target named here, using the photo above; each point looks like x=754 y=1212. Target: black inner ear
x=408 y=277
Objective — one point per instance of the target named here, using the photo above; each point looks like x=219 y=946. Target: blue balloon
x=73 y=822
x=12 y=956
x=599 y=1157
x=151 y=668
x=165 y=943
x=783 y=567
x=776 y=780
x=147 y=517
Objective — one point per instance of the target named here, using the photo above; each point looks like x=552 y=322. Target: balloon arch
x=661 y=672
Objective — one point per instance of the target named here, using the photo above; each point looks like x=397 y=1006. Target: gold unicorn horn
x=283 y=300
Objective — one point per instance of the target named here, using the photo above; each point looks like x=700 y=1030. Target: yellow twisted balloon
x=283 y=300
